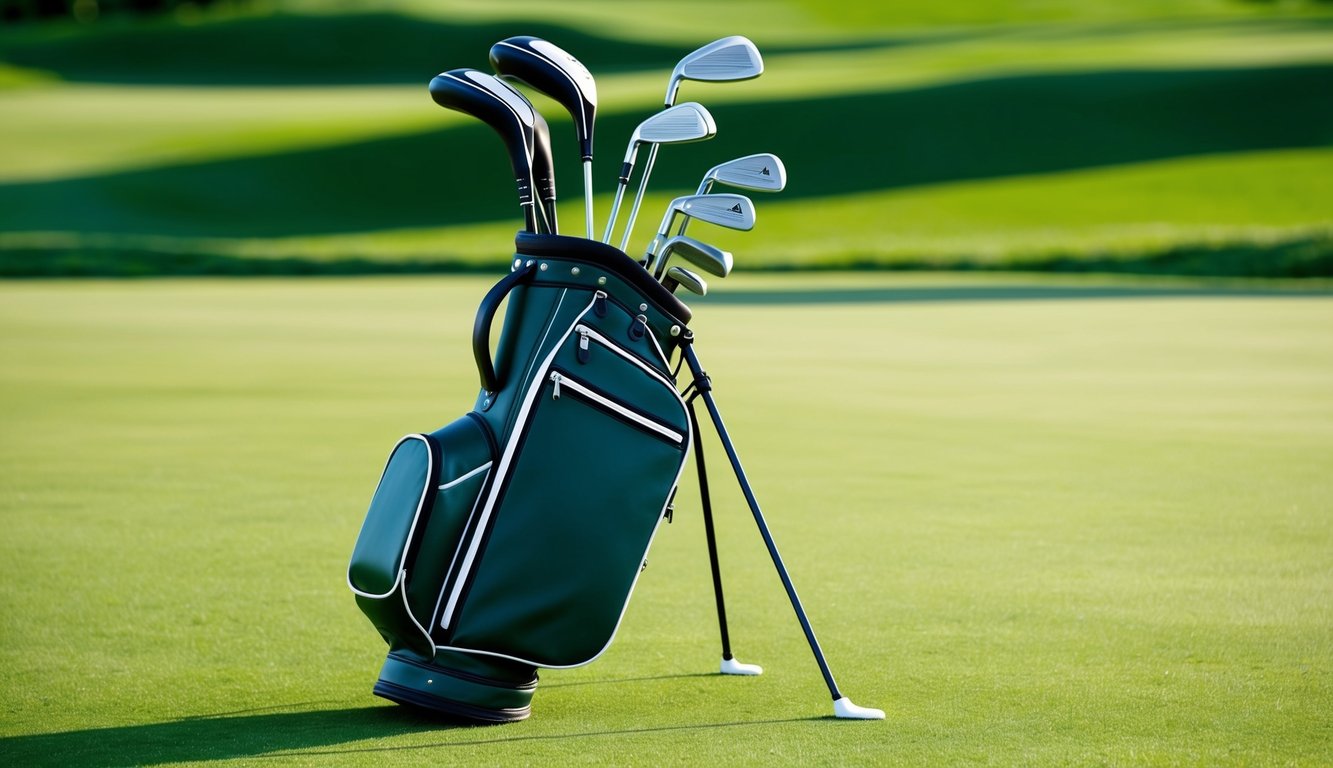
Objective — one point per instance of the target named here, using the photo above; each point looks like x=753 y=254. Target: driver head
x=551 y=70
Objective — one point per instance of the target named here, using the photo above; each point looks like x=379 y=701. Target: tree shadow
x=286 y=49
x=994 y=293
x=213 y=737
x=832 y=146
x=258 y=734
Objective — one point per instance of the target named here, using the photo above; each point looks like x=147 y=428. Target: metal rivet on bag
x=543 y=267
x=643 y=307
x=531 y=262
x=518 y=263
x=574 y=271
x=601 y=281
x=675 y=330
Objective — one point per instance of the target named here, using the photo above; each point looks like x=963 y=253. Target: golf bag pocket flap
x=397 y=511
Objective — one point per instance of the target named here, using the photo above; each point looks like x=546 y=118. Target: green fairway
x=1185 y=137
x=1039 y=522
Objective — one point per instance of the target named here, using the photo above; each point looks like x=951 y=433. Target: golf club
x=680 y=124
x=678 y=276
x=549 y=69
x=763 y=172
x=725 y=60
x=709 y=258
x=724 y=210
x=543 y=171
x=507 y=112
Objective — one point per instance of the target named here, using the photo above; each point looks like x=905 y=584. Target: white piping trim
x=468 y=476
x=593 y=333
x=471 y=514
x=661 y=513
x=689 y=442
x=565 y=382
x=506 y=458
x=416 y=516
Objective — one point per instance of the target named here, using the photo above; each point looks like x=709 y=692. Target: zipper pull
x=555 y=379
x=583 y=353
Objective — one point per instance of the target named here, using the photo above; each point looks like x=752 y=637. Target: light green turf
x=146 y=167
x=1039 y=522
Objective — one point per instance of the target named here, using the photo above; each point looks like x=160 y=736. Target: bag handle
x=481 y=329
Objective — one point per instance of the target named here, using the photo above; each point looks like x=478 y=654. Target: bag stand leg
x=730 y=665
x=842 y=706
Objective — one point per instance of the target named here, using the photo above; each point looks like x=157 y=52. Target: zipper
x=586 y=332
x=469 y=549
x=560 y=380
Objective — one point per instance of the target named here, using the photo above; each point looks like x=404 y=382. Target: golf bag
x=511 y=538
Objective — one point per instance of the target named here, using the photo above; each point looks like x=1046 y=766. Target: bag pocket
x=429 y=486
x=594 y=467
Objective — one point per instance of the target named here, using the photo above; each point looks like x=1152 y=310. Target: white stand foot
x=845 y=709
x=733 y=667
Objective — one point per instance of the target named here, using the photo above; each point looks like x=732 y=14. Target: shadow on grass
x=1297 y=257
x=287 y=49
x=985 y=293
x=261 y=734
x=831 y=146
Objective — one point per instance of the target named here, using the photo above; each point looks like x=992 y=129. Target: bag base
x=461 y=686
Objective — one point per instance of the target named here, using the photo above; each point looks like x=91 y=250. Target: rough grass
x=1039 y=522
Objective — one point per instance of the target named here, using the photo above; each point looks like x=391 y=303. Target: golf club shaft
x=587 y=196
x=615 y=209
x=638 y=196
x=705 y=391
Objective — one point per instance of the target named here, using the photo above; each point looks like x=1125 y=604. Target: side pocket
x=429 y=487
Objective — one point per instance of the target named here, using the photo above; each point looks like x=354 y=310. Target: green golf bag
x=511 y=538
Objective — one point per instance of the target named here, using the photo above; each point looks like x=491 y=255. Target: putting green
x=1039 y=522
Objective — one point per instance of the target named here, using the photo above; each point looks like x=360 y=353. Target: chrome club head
x=763 y=172
x=727 y=59
x=681 y=124
x=683 y=277
x=709 y=258
x=724 y=210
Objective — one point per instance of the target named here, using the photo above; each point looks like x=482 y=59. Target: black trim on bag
x=609 y=258
x=486 y=432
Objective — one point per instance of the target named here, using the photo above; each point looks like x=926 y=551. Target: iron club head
x=724 y=210
x=677 y=276
x=763 y=172
x=709 y=258
x=727 y=59
x=681 y=124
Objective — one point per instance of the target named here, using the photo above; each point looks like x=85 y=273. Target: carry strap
x=481 y=329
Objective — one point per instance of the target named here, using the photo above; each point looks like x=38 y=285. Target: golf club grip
x=481 y=328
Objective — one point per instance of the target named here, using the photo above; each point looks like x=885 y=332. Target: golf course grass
x=1038 y=521
x=1030 y=366
x=1182 y=137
